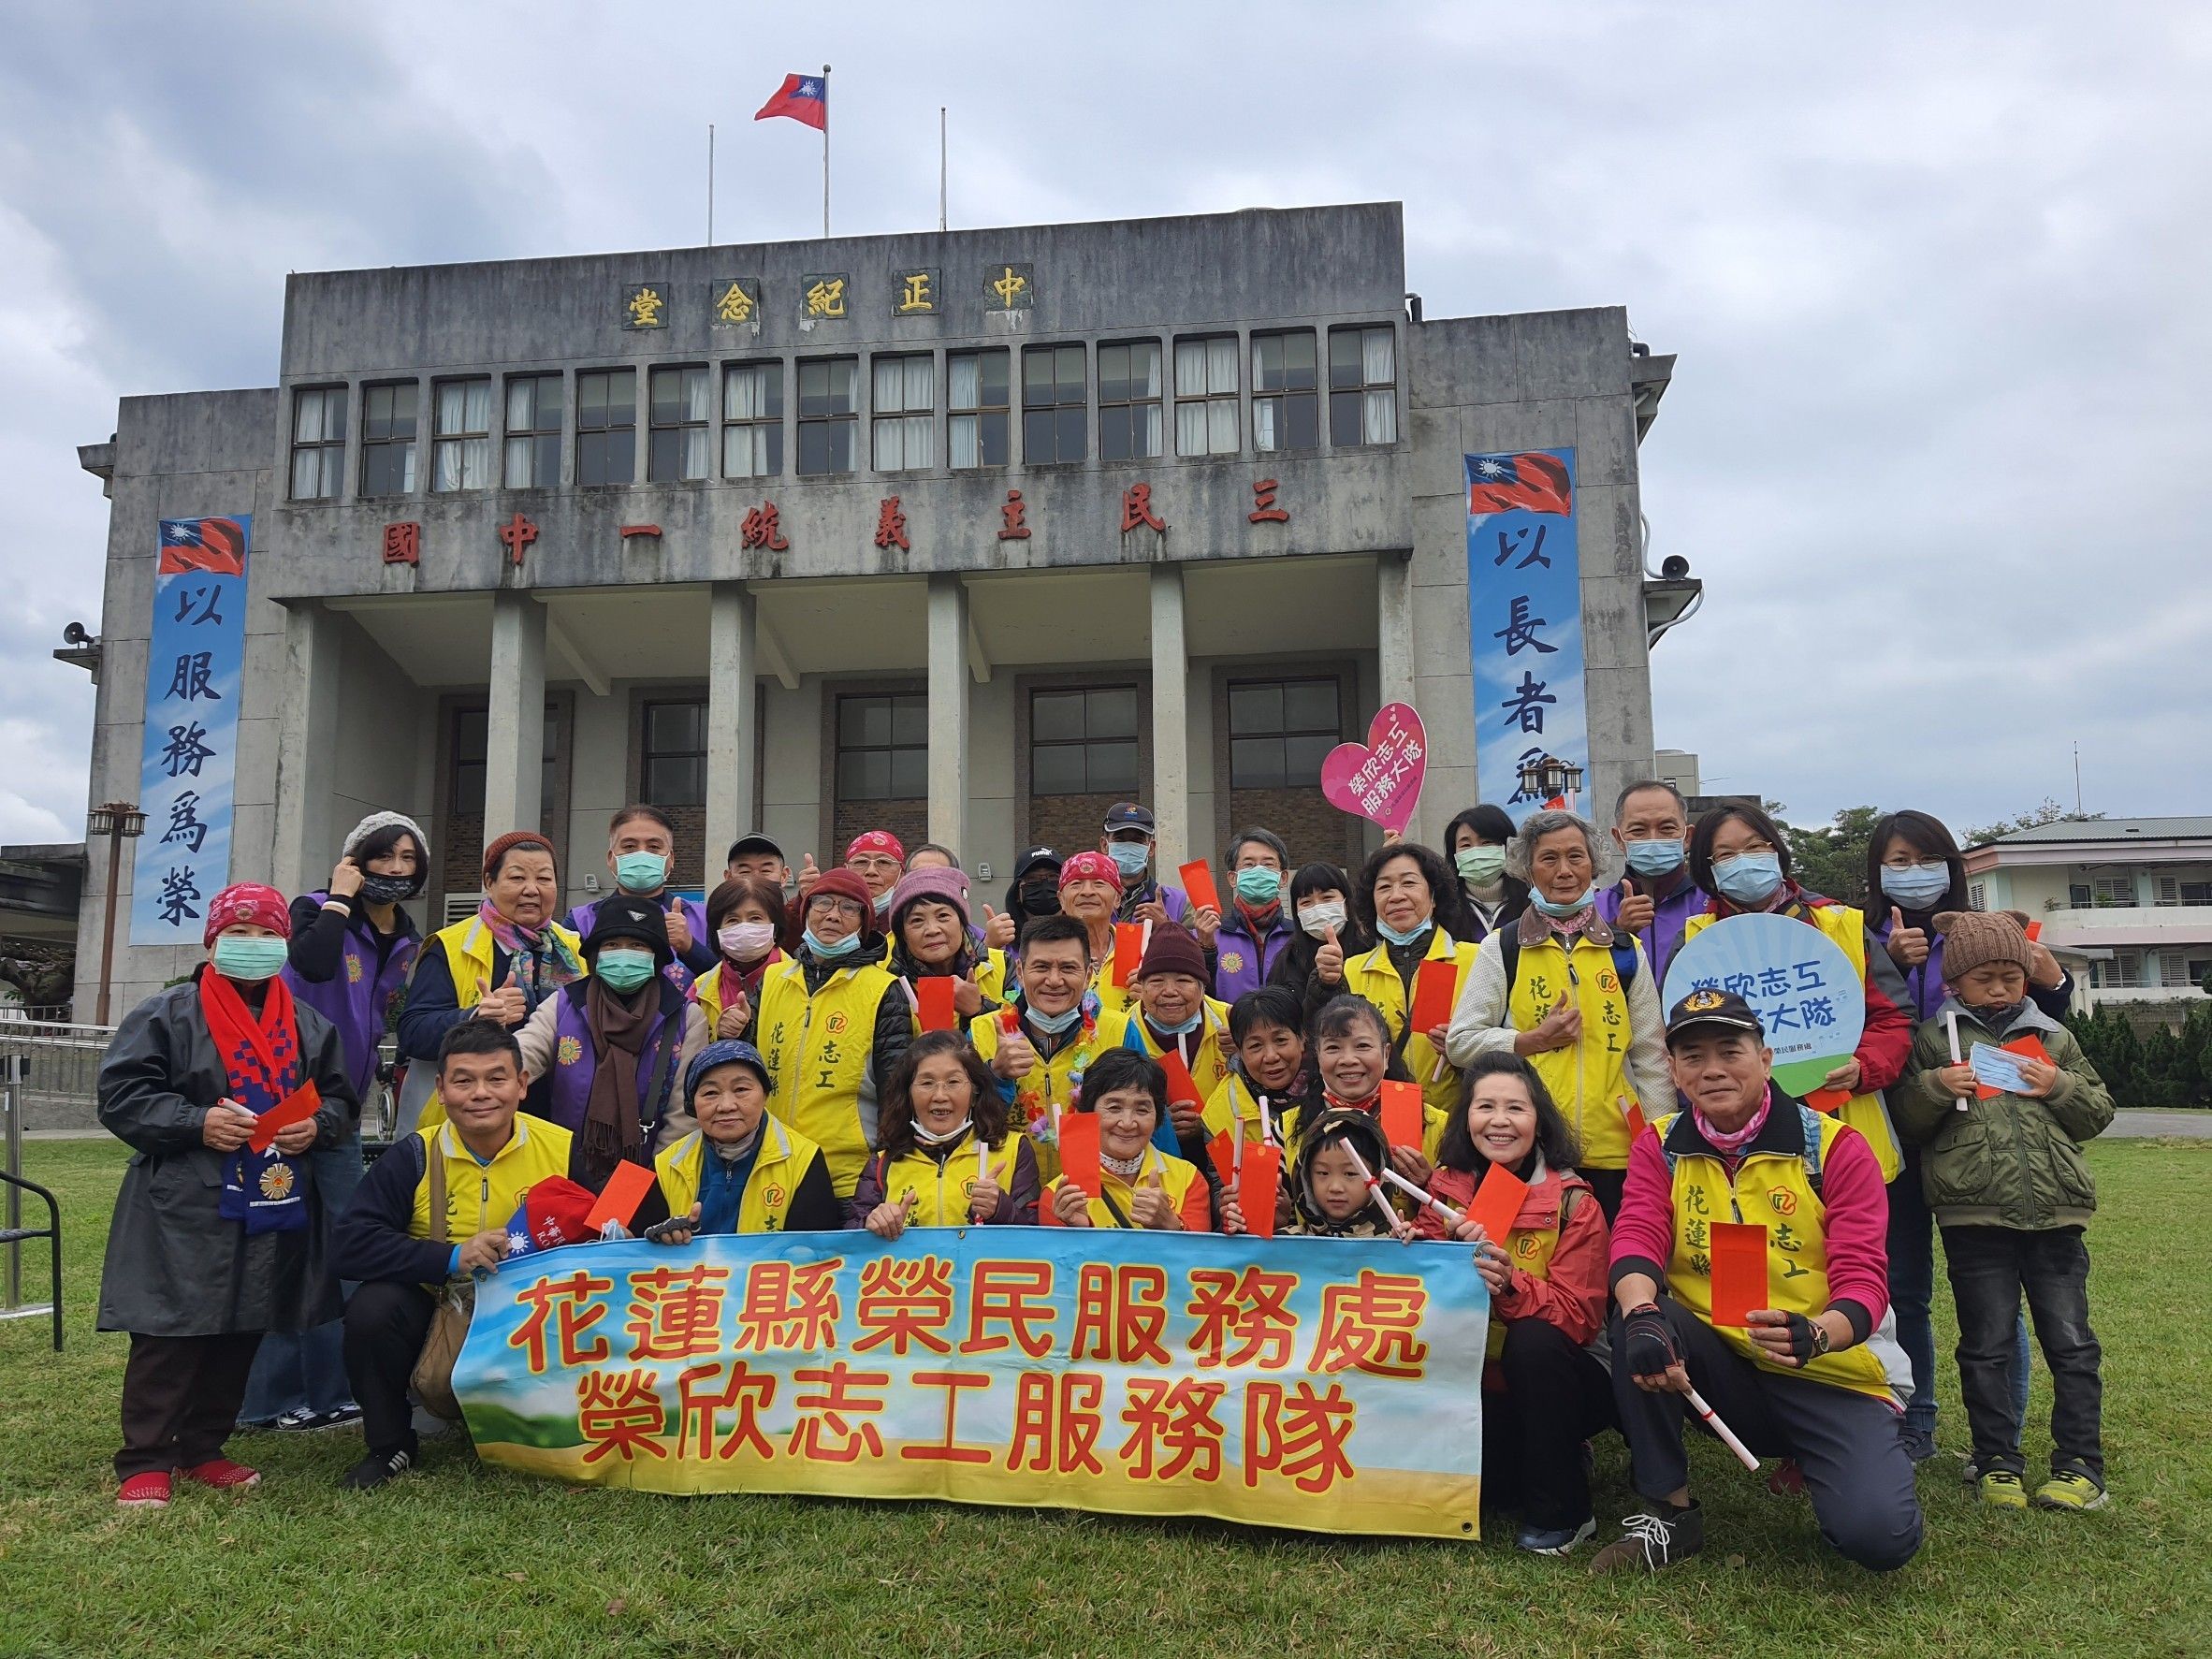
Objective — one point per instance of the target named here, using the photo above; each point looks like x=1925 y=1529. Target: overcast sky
x=1937 y=277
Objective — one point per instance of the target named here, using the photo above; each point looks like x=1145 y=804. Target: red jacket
x=1572 y=1293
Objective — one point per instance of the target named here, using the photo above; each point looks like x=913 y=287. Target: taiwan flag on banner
x=1534 y=480
x=803 y=97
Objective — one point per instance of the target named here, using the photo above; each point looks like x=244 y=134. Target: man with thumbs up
x=1655 y=898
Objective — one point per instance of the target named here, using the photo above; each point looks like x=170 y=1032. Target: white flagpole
x=826 y=72
x=940 y=198
x=710 y=184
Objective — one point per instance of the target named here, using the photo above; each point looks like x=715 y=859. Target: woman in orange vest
x=1545 y=1387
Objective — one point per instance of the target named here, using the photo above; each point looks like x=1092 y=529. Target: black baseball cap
x=1031 y=860
x=753 y=842
x=1707 y=1006
x=1128 y=815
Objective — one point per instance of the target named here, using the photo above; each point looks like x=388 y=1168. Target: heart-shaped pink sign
x=1380 y=779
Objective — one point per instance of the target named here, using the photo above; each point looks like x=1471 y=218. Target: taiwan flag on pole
x=1501 y=483
x=803 y=97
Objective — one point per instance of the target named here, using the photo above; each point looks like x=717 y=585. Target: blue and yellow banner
x=1329 y=1384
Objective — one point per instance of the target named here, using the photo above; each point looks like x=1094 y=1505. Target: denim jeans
x=1912 y=1292
x=305 y=1370
x=1991 y=1267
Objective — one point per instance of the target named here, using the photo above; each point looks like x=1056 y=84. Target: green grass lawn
x=460 y=1560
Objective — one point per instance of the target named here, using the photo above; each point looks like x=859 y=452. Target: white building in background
x=2132 y=895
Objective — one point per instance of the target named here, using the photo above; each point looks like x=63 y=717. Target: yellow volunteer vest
x=940 y=1191
x=1112 y=999
x=1866 y=1113
x=1371 y=975
x=1234 y=1102
x=480 y=1196
x=468 y=955
x=1774 y=1189
x=1590 y=1079
x=1531 y=1250
x=706 y=991
x=1207 y=1068
x=785 y=1159
x=991 y=982
x=1176 y=1174
x=817 y=1049
x=1047 y=1090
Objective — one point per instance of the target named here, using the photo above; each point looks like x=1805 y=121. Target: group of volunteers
x=781 y=1057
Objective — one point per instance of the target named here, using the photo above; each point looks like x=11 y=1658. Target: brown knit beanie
x=1173 y=949
x=1973 y=938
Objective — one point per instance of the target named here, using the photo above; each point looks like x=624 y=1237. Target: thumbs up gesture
x=888 y=1220
x=968 y=998
x=1329 y=960
x=998 y=929
x=1908 y=946
x=1015 y=1056
x=809 y=875
x=509 y=1005
x=1560 y=1029
x=1639 y=909
x=736 y=1014
x=1149 y=1206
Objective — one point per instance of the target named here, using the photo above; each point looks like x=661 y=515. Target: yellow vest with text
x=1773 y=1189
x=1590 y=1079
x=940 y=1191
x=480 y=1196
x=785 y=1157
x=468 y=947
x=1846 y=927
x=1177 y=1176
x=706 y=991
x=1371 y=975
x=817 y=1049
x=1048 y=1088
x=1531 y=1250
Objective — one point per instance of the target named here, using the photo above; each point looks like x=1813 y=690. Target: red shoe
x=149 y=1490
x=222 y=1471
x=1787 y=1481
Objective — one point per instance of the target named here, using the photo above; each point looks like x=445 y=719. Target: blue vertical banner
x=1524 y=607
x=194 y=664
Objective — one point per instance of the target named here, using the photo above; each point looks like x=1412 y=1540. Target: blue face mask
x=1406 y=937
x=623 y=969
x=1185 y=1029
x=1749 y=878
x=836 y=953
x=1573 y=906
x=1129 y=857
x=1654 y=858
x=883 y=903
x=1259 y=886
x=248 y=956
x=1915 y=886
x=1052 y=1024
x=640 y=872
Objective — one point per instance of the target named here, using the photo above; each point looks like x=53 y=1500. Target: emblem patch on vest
x=276 y=1182
x=569 y=1051
x=1232 y=962
x=835 y=1024
x=1784 y=1202
x=353 y=967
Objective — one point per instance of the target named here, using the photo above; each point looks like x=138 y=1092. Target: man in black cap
x=1034 y=892
x=1129 y=838
x=1750 y=1266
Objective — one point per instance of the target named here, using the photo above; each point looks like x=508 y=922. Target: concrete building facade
x=965 y=533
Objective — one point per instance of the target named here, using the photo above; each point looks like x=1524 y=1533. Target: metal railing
x=61 y=1071
x=51 y=1069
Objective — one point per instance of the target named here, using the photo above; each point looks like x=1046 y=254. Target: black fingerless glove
x=1647 y=1343
x=1806 y=1338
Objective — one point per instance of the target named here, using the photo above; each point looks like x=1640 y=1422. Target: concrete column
x=948 y=713
x=1170 y=729
x=731 y=711
x=306 y=841
x=515 y=738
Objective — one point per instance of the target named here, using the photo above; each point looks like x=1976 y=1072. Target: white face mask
x=1319 y=918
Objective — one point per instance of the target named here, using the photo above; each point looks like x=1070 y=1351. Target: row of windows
x=1139 y=390
x=2170 y=971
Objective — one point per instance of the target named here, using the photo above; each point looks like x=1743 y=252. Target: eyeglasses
x=840 y=906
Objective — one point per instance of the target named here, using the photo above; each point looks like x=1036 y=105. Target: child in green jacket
x=2010 y=1194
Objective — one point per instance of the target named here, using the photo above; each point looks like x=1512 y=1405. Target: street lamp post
x=120 y=821
x=1549 y=779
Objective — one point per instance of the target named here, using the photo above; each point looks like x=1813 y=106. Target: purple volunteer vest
x=573 y=1063
x=357 y=998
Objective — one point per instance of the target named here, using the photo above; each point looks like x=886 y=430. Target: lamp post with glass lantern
x=1549 y=779
x=120 y=821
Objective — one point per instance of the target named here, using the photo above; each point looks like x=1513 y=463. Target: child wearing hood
x=1330 y=1196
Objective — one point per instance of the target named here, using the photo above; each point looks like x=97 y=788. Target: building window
x=1286 y=412
x=2179 y=889
x=606 y=426
x=1977 y=896
x=676 y=449
x=2113 y=891
x=460 y=458
x=318 y=443
x=976 y=382
x=752 y=420
x=1128 y=401
x=829 y=389
x=2125 y=971
x=1362 y=386
x=467 y=774
x=1206 y=395
x=2200 y=969
x=904 y=413
x=1278 y=732
x=533 y=431
x=674 y=754
x=2173 y=970
x=882 y=748
x=388 y=438
x=1052 y=404
x=1084 y=742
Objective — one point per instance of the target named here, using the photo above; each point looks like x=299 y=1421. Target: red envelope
x=2034 y=931
x=1828 y=1100
x=1435 y=987
x=1497 y=1202
x=625 y=1189
x=1128 y=950
x=1738 y=1271
x=1079 y=1150
x=1401 y=1114
x=1223 y=1153
x=297 y=1107
x=933 y=999
x=1180 y=1084
x=1257 y=1189
x=1197 y=883
x=1637 y=1123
